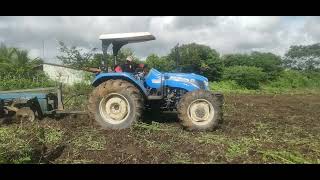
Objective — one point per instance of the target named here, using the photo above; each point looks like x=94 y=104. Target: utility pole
x=43 y=49
x=177 y=55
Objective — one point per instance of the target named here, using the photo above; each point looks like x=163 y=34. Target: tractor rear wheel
x=200 y=110
x=115 y=104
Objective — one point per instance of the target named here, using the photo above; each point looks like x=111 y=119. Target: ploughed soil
x=256 y=129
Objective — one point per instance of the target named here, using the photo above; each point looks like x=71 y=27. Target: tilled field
x=256 y=129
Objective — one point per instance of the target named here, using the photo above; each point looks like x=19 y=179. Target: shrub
x=270 y=63
x=245 y=76
x=225 y=86
x=24 y=81
x=76 y=95
x=292 y=79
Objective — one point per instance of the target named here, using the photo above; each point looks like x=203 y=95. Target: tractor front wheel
x=200 y=110
x=115 y=104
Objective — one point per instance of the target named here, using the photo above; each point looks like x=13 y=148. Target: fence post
x=59 y=93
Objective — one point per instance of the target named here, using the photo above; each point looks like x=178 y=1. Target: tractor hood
x=195 y=79
x=185 y=76
x=188 y=81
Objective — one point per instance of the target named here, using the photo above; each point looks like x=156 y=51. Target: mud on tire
x=200 y=110
x=128 y=97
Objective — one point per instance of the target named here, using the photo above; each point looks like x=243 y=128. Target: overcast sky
x=225 y=34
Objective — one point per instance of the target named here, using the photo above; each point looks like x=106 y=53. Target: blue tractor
x=119 y=98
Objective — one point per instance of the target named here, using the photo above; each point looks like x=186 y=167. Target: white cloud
x=312 y=28
x=225 y=34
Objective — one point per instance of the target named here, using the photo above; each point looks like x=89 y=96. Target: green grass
x=19 y=144
x=154 y=126
x=286 y=157
x=162 y=146
x=53 y=136
x=181 y=158
x=217 y=139
x=89 y=140
x=240 y=147
x=229 y=87
x=13 y=147
x=75 y=161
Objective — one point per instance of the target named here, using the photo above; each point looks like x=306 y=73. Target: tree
x=269 y=62
x=249 y=77
x=79 y=58
x=75 y=57
x=303 y=57
x=197 y=58
x=17 y=61
x=159 y=63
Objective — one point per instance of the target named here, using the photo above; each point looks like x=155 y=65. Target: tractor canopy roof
x=126 y=38
x=120 y=39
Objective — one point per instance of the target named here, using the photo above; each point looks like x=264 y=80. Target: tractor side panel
x=124 y=76
x=182 y=85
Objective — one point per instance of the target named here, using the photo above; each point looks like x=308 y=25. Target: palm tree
x=16 y=61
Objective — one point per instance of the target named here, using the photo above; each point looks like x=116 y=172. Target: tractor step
x=70 y=112
x=155 y=97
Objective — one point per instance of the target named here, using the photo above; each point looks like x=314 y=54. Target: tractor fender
x=102 y=77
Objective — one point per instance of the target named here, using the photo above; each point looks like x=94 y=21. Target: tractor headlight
x=197 y=83
x=206 y=83
x=200 y=84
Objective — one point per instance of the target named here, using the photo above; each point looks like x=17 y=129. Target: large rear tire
x=200 y=110
x=115 y=104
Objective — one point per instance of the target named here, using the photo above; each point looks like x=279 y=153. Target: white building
x=63 y=74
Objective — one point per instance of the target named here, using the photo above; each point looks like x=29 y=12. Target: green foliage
x=292 y=79
x=159 y=63
x=52 y=136
x=18 y=71
x=286 y=157
x=181 y=158
x=245 y=76
x=90 y=140
x=303 y=57
x=228 y=86
x=76 y=96
x=197 y=58
x=75 y=56
x=288 y=81
x=270 y=63
x=80 y=58
x=16 y=81
x=14 y=61
x=240 y=147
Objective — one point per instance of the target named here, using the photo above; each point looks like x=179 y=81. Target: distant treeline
x=247 y=70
